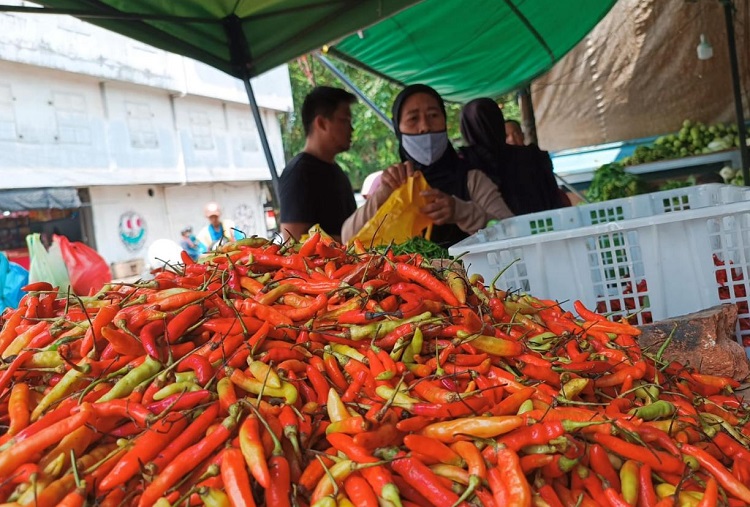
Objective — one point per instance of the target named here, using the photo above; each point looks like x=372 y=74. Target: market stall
x=45 y=211
x=318 y=374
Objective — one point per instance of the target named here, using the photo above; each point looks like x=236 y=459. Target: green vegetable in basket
x=418 y=245
x=612 y=182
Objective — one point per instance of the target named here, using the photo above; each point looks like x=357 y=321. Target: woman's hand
x=396 y=175
x=440 y=207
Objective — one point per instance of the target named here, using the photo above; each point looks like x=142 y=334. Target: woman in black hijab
x=522 y=173
x=461 y=199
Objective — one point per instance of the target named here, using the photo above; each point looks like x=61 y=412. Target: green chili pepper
x=659 y=409
x=126 y=384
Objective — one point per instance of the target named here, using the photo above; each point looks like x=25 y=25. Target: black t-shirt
x=316 y=192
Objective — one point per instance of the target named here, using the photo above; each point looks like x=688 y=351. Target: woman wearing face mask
x=461 y=199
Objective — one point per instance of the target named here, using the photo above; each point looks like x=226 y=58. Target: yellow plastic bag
x=398 y=219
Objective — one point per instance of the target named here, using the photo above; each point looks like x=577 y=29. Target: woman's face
x=421 y=114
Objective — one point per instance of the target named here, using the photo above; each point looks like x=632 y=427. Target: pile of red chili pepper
x=314 y=375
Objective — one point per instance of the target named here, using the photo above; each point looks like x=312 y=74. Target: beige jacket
x=486 y=204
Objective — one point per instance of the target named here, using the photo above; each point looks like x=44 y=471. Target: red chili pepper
x=378 y=476
x=319 y=383
x=659 y=461
x=122 y=342
x=187 y=459
x=410 y=494
x=636 y=372
x=507 y=482
x=37 y=287
x=360 y=492
x=182 y=321
x=599 y=463
x=235 y=478
x=119 y=408
x=308 y=312
x=18 y=409
x=22 y=450
x=146 y=447
x=467 y=406
x=180 y=401
x=334 y=373
x=543 y=373
x=424 y=480
x=10 y=329
x=429 y=282
x=513 y=402
x=432 y=448
x=280 y=489
x=200 y=365
x=710 y=495
x=253 y=452
x=193 y=432
x=361 y=377
x=722 y=475
x=613 y=497
x=149 y=334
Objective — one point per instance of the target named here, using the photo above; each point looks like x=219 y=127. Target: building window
x=7 y=114
x=141 y=126
x=200 y=129
x=249 y=140
x=72 y=120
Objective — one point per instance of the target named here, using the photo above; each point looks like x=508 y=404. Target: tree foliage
x=374 y=146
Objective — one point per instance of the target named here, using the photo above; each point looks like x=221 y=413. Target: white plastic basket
x=616 y=210
x=657 y=266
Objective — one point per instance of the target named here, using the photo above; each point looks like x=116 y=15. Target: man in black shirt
x=313 y=188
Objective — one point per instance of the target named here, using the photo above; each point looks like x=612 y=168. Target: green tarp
x=473 y=48
x=464 y=48
x=276 y=31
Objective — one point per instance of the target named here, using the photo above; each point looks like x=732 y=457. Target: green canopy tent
x=463 y=48
x=242 y=38
x=476 y=48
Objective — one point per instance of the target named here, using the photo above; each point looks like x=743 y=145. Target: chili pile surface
x=311 y=374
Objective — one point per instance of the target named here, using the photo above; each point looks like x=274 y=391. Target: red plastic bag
x=87 y=269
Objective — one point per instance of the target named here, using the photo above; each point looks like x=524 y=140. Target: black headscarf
x=522 y=173
x=448 y=174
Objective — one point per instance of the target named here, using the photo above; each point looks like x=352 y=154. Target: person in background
x=522 y=173
x=709 y=177
x=217 y=230
x=371 y=184
x=313 y=188
x=514 y=133
x=190 y=243
x=461 y=199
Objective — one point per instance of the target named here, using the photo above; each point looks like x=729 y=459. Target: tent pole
x=263 y=137
x=528 y=120
x=242 y=60
x=349 y=84
x=570 y=187
x=739 y=111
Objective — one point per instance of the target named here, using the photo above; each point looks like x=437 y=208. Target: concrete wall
x=153 y=136
x=64 y=129
x=68 y=44
x=128 y=219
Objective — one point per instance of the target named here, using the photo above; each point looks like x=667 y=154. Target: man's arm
x=294 y=229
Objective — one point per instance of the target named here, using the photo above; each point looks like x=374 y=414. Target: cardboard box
x=126 y=269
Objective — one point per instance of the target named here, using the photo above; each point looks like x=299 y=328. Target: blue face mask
x=426 y=149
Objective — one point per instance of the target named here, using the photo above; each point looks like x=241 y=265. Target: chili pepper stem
x=474 y=482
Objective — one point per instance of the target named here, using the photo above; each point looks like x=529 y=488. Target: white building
x=146 y=137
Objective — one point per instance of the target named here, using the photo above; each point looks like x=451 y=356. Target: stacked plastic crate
x=651 y=256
